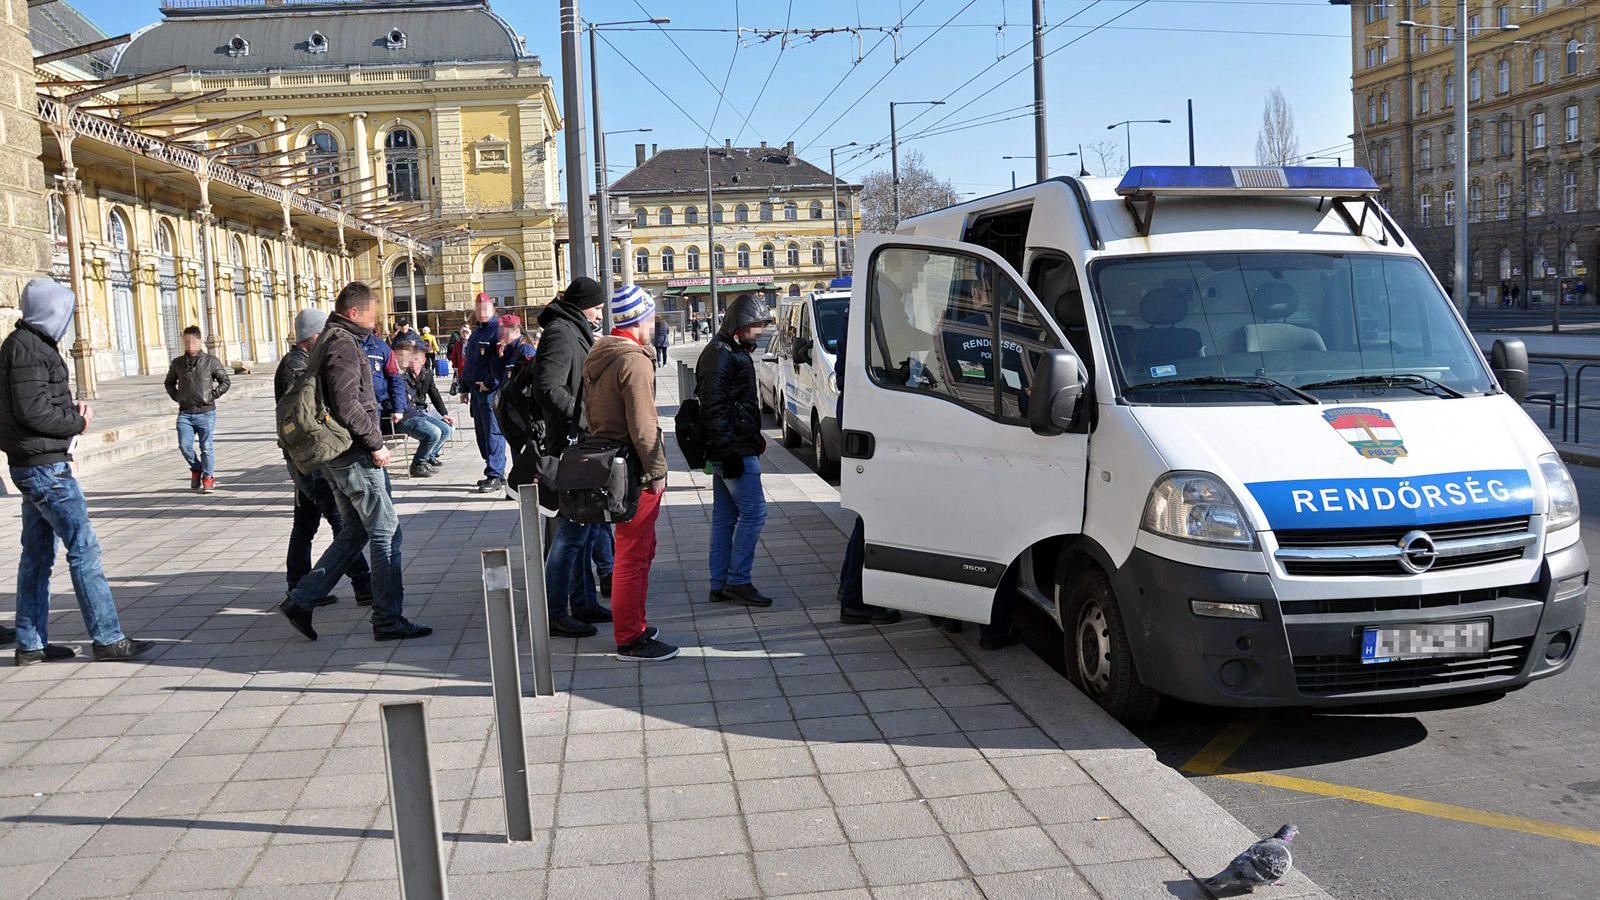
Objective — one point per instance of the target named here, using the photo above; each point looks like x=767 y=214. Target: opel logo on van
x=1417 y=553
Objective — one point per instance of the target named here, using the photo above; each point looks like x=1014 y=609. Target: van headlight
x=1563 y=510
x=1197 y=507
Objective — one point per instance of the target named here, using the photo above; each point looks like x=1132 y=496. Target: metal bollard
x=419 y=855
x=544 y=679
x=505 y=675
x=685 y=381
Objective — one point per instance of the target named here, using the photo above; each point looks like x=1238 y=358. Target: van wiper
x=1252 y=381
x=1421 y=383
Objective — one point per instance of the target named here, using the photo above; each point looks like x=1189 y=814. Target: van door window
x=931 y=328
x=1054 y=280
x=1005 y=232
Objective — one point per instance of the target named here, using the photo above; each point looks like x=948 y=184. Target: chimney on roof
x=763 y=145
x=653 y=149
x=789 y=148
x=727 y=143
x=638 y=155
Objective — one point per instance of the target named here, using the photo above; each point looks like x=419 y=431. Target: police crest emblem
x=1368 y=430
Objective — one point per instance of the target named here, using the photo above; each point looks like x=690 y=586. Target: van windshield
x=832 y=314
x=1271 y=327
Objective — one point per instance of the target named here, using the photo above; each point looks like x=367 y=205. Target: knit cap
x=631 y=305
x=308 y=323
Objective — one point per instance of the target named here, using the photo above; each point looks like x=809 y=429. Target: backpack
x=517 y=412
x=686 y=427
x=307 y=432
x=597 y=481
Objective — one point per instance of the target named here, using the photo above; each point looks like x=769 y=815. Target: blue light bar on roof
x=840 y=283
x=1177 y=181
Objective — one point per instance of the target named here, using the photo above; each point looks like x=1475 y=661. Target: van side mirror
x=1508 y=359
x=1056 y=393
x=802 y=351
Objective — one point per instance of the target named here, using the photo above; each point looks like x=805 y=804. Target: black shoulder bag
x=597 y=479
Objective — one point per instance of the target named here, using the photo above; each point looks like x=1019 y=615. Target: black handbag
x=596 y=479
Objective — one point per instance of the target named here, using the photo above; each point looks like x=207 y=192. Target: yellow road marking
x=1421 y=807
x=1215 y=753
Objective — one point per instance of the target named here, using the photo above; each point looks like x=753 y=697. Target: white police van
x=805 y=394
x=1236 y=441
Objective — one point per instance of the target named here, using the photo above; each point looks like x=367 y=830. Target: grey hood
x=47 y=306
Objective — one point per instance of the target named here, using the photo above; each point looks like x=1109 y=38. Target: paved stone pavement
x=781 y=754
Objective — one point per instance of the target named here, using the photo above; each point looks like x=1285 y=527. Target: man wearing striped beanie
x=619 y=383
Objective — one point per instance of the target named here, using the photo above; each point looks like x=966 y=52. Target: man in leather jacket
x=730 y=420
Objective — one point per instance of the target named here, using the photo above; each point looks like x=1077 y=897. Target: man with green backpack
x=328 y=422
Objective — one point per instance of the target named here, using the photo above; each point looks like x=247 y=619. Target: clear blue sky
x=1148 y=58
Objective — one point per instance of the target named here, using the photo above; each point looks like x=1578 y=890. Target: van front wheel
x=827 y=466
x=1098 y=659
x=791 y=434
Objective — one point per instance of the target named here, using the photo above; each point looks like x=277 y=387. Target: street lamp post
x=1045 y=170
x=894 y=150
x=1458 y=290
x=1338 y=161
x=572 y=96
x=711 y=246
x=1128 y=124
x=838 y=265
x=601 y=182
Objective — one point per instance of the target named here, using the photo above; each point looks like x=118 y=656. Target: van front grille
x=1317 y=552
x=1325 y=676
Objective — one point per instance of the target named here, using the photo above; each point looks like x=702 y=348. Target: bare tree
x=1108 y=158
x=1277 y=144
x=920 y=191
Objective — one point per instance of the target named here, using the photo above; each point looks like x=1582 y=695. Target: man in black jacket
x=38 y=422
x=195 y=381
x=313 y=498
x=730 y=419
x=360 y=486
x=568 y=335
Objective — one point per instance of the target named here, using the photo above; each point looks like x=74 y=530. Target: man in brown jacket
x=619 y=384
x=360 y=486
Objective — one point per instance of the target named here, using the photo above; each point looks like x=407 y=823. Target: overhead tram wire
x=782 y=46
x=721 y=92
x=651 y=81
x=848 y=72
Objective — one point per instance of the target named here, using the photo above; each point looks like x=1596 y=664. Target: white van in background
x=804 y=395
x=1235 y=440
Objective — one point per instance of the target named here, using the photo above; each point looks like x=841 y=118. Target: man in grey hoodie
x=38 y=421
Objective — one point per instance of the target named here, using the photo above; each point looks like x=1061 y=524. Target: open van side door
x=939 y=460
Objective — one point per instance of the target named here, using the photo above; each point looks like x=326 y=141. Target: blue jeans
x=491 y=446
x=738 y=511
x=855 y=559
x=314 y=502
x=568 y=585
x=53 y=507
x=430 y=431
x=193 y=428
x=360 y=489
x=605 y=550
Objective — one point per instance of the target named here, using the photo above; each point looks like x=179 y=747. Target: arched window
x=816 y=209
x=1538 y=66
x=1475 y=84
x=267 y=268
x=1505 y=262
x=164 y=240
x=794 y=290
x=236 y=252
x=641 y=261
x=791 y=212
x=117 y=231
x=400 y=288
x=768 y=257
x=691 y=215
x=667 y=261
x=1372 y=110
x=400 y=163
x=791 y=254
x=741 y=213
x=664 y=215
x=691 y=259
x=324 y=158
x=616 y=262
x=716 y=214
x=766 y=210
x=717 y=258
x=1502 y=76
x=1572 y=58
x=60 y=256
x=641 y=218
x=819 y=286
x=500 y=278
x=816 y=253
x=744 y=256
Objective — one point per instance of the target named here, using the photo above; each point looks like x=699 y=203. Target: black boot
x=299 y=618
x=400 y=630
x=127 y=648
x=567 y=626
x=744 y=593
x=869 y=615
x=47 y=653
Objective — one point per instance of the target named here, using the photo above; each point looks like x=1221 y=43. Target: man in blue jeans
x=479 y=367
x=357 y=477
x=195 y=381
x=38 y=422
x=730 y=419
x=431 y=427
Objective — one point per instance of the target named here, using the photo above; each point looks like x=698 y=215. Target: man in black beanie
x=568 y=324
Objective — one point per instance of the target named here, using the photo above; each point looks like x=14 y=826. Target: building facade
x=771 y=217
x=1533 y=141
x=434 y=106
x=155 y=235
x=24 y=244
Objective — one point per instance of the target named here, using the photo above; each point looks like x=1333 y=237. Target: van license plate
x=1380 y=645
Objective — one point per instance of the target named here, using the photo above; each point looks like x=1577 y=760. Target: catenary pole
x=1041 y=141
x=572 y=103
x=1463 y=203
x=602 y=225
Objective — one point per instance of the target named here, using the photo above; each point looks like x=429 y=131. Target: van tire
x=827 y=466
x=791 y=435
x=1104 y=669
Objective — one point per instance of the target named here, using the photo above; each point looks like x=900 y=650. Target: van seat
x=1162 y=308
x=1275 y=302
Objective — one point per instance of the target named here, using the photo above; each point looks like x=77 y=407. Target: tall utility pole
x=1524 y=134
x=894 y=150
x=1191 y=132
x=1458 y=290
x=1041 y=141
x=833 y=177
x=572 y=104
x=711 y=246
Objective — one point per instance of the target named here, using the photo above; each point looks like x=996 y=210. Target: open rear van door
x=956 y=457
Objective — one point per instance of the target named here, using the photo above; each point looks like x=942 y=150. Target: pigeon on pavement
x=1264 y=862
